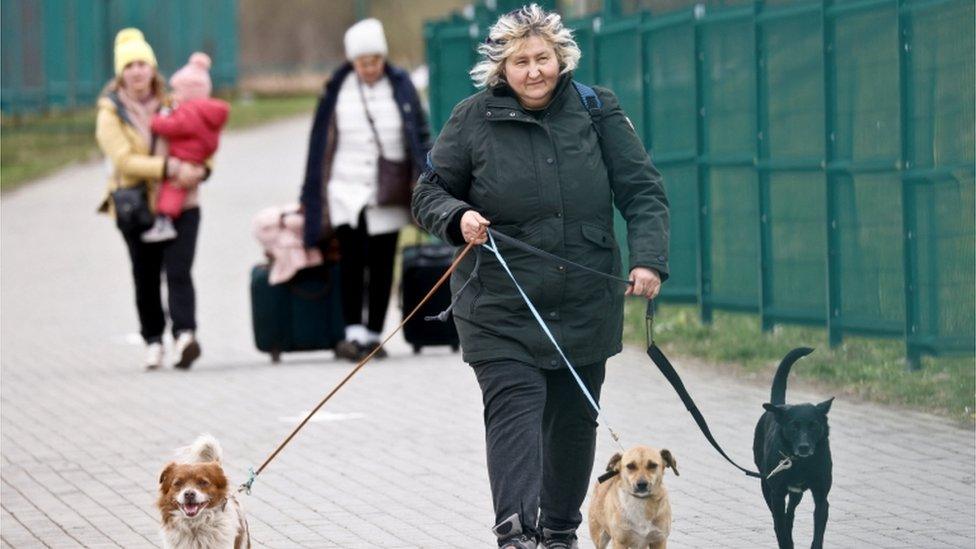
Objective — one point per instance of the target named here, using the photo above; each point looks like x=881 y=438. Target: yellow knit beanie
x=131 y=45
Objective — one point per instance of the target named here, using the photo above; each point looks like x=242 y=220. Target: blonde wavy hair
x=505 y=38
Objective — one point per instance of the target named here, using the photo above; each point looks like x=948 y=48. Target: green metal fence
x=58 y=53
x=818 y=155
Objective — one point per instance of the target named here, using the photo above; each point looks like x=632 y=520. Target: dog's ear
x=824 y=406
x=669 y=461
x=614 y=463
x=166 y=477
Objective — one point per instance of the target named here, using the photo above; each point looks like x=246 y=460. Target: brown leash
x=252 y=474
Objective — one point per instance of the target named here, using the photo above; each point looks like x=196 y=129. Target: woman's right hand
x=189 y=175
x=474 y=227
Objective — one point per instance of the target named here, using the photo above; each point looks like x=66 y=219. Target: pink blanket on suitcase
x=279 y=230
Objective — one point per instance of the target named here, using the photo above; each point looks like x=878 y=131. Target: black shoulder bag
x=132 y=213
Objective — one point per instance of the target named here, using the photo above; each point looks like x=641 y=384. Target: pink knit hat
x=193 y=80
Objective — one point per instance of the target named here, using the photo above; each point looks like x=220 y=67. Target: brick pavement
x=397 y=458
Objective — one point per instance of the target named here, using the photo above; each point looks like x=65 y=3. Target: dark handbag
x=132 y=213
x=394 y=179
x=132 y=203
x=394 y=182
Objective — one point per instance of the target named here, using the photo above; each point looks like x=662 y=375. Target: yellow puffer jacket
x=132 y=162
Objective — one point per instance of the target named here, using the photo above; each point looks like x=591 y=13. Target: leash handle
x=649 y=322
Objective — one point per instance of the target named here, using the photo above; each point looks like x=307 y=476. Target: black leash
x=655 y=353
x=514 y=242
x=663 y=364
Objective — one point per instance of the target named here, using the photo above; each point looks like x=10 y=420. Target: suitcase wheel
x=455 y=347
x=416 y=349
x=275 y=357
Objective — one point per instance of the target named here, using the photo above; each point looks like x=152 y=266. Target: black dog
x=792 y=452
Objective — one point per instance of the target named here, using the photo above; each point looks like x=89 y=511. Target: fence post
x=834 y=333
x=909 y=219
x=762 y=153
x=704 y=219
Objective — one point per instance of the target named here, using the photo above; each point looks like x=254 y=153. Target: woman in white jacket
x=368 y=108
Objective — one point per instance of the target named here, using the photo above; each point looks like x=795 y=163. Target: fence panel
x=731 y=239
x=865 y=130
x=791 y=157
x=940 y=177
x=58 y=53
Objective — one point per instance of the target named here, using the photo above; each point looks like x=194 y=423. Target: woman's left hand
x=646 y=282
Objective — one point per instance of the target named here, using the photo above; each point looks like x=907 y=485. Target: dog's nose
x=190 y=497
x=641 y=486
x=803 y=449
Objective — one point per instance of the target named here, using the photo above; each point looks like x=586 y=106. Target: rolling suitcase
x=303 y=314
x=422 y=265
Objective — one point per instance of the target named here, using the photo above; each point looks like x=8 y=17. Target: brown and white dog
x=630 y=506
x=198 y=509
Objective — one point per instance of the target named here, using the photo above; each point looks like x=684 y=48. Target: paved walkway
x=396 y=459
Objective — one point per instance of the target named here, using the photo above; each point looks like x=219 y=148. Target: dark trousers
x=366 y=272
x=541 y=435
x=175 y=257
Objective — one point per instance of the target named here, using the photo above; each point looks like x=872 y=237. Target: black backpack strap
x=593 y=105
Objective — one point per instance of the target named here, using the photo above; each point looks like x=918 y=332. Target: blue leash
x=501 y=260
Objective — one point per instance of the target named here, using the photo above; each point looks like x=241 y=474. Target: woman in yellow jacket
x=125 y=111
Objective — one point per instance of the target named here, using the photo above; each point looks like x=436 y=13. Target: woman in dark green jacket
x=524 y=156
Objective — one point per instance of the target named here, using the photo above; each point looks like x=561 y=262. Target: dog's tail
x=778 y=394
x=205 y=448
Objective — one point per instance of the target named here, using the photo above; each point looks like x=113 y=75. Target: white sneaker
x=154 y=356
x=161 y=231
x=187 y=349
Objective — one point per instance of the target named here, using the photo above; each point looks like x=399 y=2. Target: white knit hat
x=365 y=38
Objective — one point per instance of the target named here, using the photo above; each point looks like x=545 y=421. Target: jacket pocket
x=606 y=258
x=598 y=235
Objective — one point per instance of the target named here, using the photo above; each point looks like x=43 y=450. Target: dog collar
x=606 y=476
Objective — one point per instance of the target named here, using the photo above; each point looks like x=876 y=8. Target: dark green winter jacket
x=541 y=178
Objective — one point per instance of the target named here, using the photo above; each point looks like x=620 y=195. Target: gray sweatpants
x=541 y=434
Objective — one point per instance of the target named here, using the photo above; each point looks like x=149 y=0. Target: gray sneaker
x=559 y=539
x=511 y=536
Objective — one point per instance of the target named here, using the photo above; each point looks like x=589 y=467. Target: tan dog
x=630 y=506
